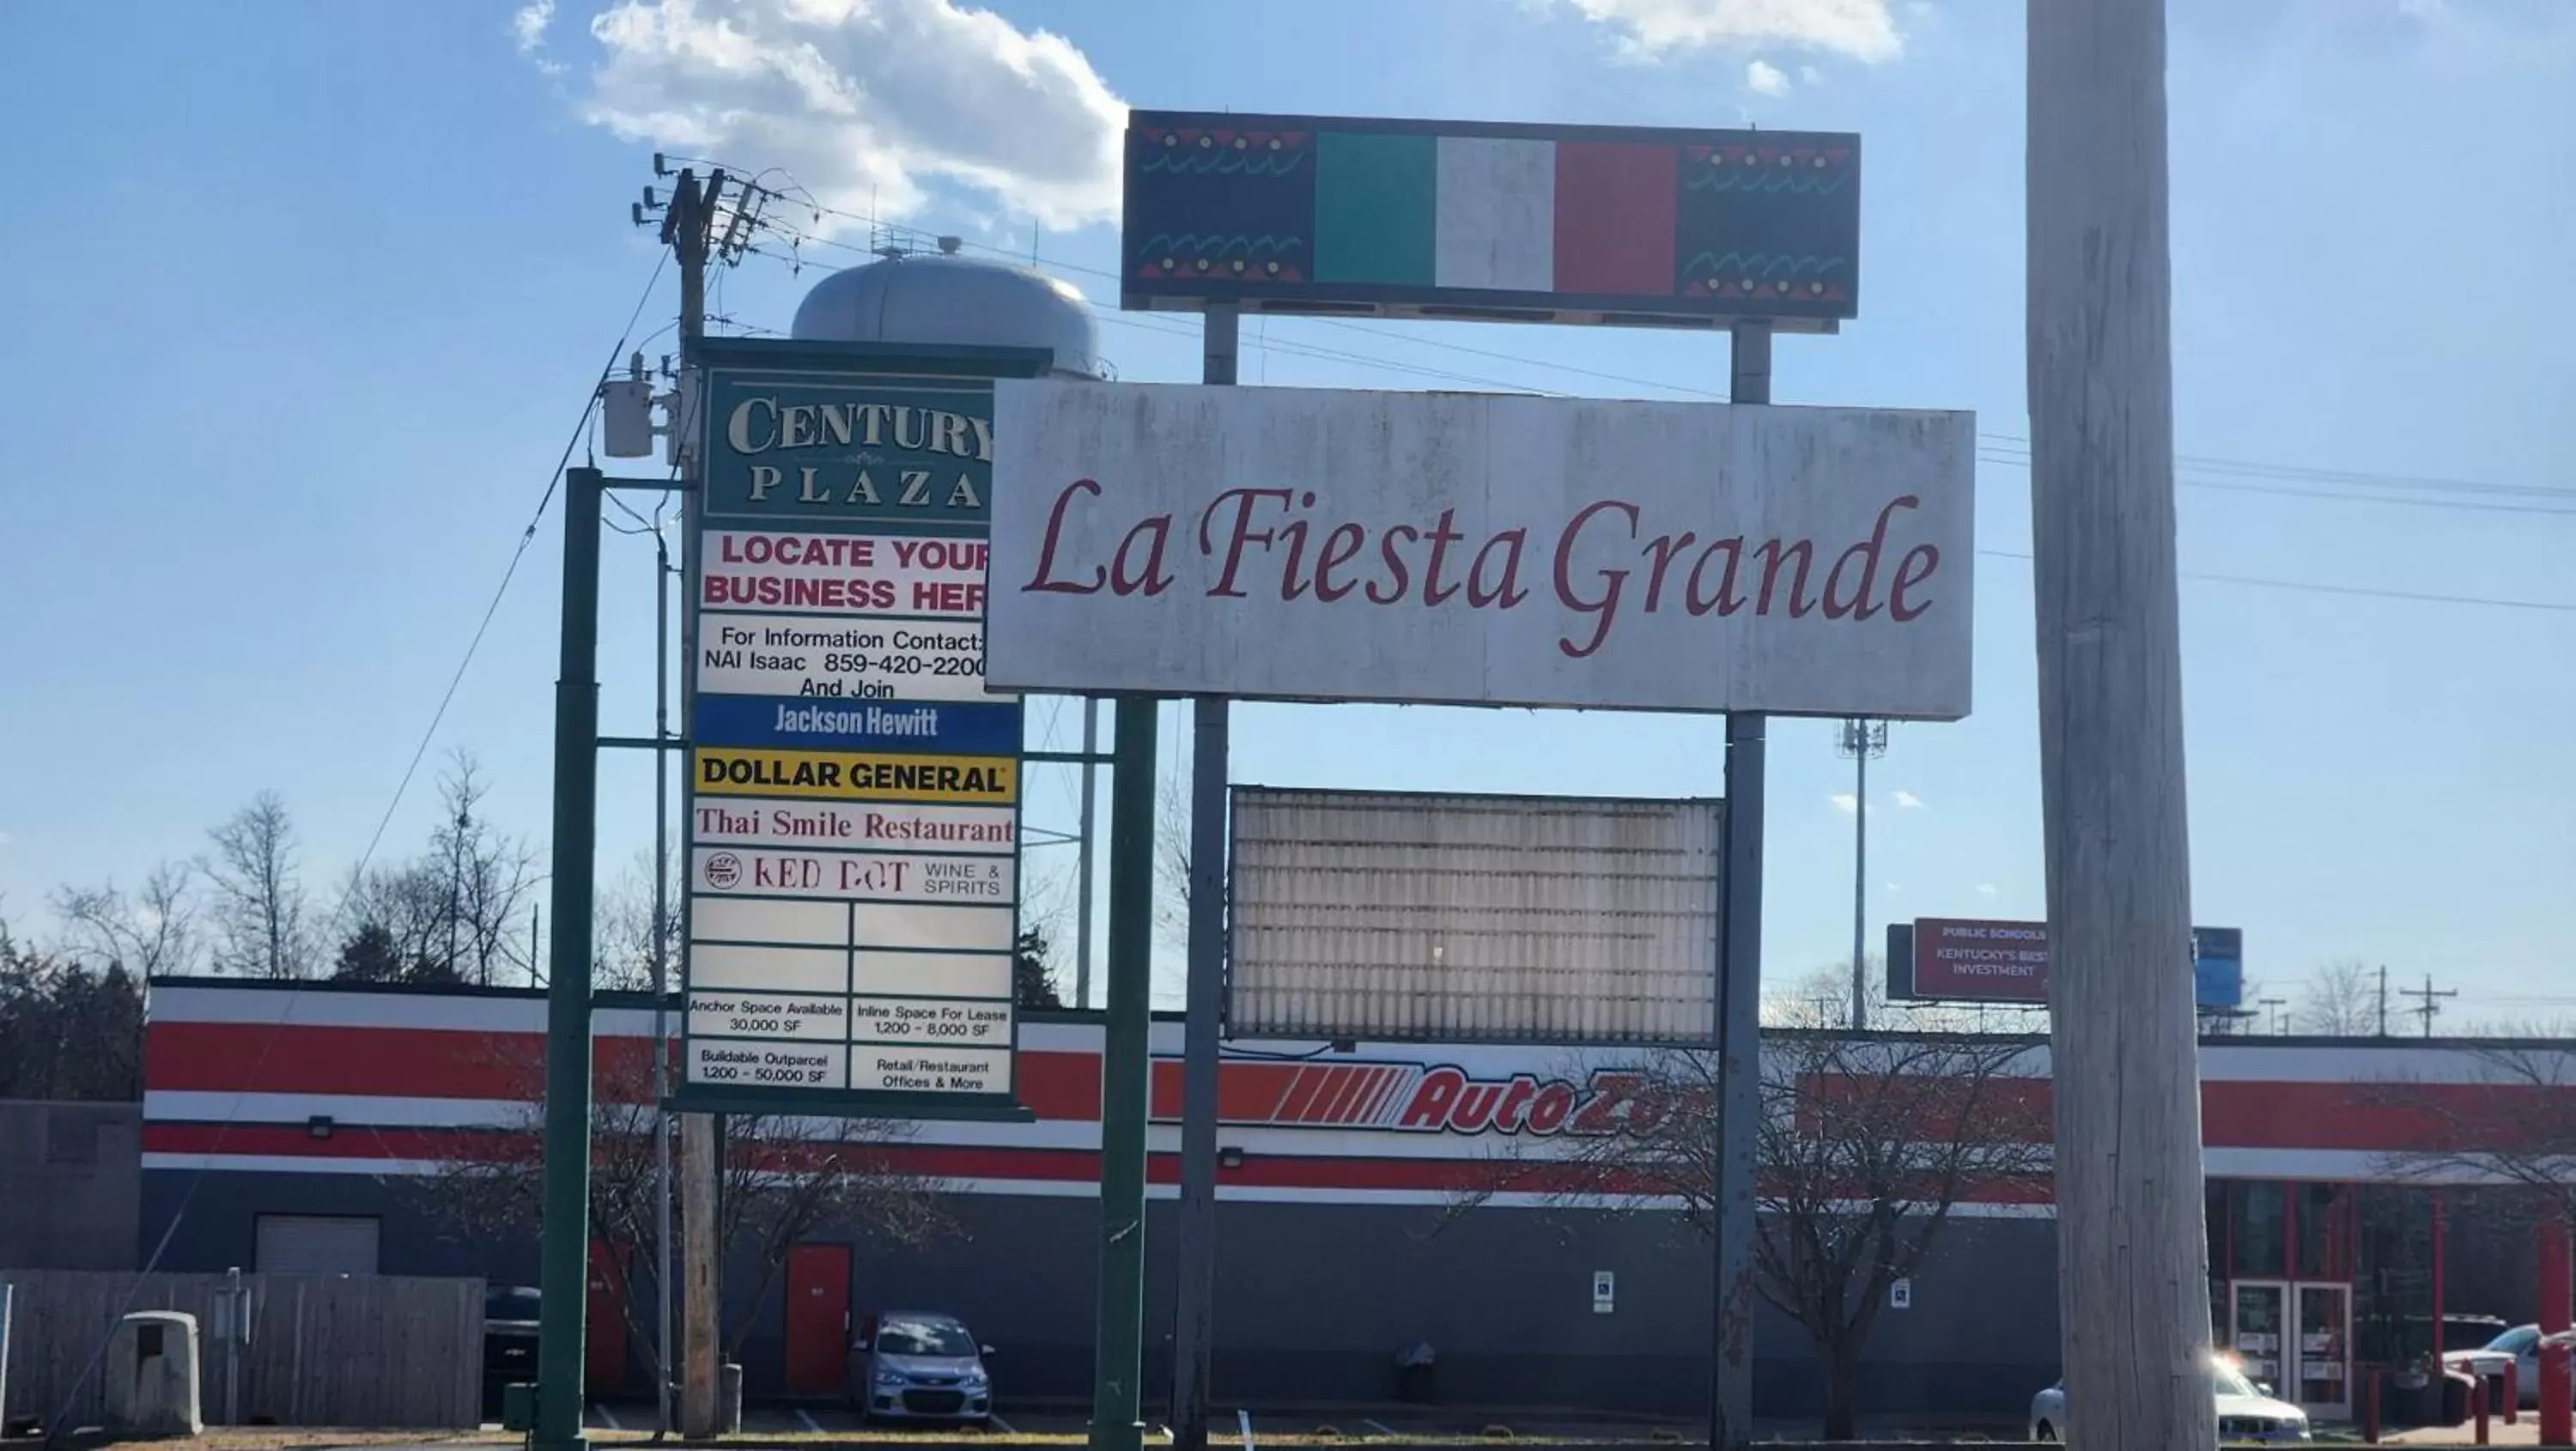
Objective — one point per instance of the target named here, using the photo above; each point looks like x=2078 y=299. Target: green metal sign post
x=1125 y=1067
x=565 y=1224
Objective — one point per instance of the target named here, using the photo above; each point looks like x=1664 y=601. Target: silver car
x=2521 y=1346
x=920 y=1366
x=2246 y=1411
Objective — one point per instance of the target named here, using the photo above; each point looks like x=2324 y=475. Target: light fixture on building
x=1229 y=1156
x=318 y=1126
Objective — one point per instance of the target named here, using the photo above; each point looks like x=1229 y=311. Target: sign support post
x=1125 y=1074
x=563 y=1278
x=1193 y=1338
x=1739 y=1017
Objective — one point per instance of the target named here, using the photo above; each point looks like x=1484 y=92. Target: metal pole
x=2131 y=1225
x=1739 y=1019
x=1860 y=880
x=1082 y=854
x=563 y=1275
x=661 y=984
x=1194 y=1316
x=1118 y=1343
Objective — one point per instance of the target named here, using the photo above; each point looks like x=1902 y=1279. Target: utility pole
x=2383 y=1000
x=1194 y=1316
x=2132 y=1240
x=2426 y=1008
x=1739 y=1014
x=1861 y=741
x=661 y=983
x=2275 y=1004
x=687 y=228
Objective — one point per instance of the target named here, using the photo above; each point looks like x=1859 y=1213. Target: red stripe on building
x=1246 y=1093
x=1337 y=1109
x=1301 y=1092
x=442 y=1063
x=1450 y=1176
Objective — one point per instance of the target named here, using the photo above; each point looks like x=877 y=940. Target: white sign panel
x=1459 y=918
x=731 y=1064
x=859 y=876
x=897 y=1068
x=799 y=655
x=748 y=569
x=896 y=826
x=1305 y=544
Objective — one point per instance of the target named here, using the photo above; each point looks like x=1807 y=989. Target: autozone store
x=307 y=1110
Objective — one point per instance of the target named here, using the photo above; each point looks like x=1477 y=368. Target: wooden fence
x=325 y=1350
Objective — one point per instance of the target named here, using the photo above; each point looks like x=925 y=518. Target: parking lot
x=1446 y=1423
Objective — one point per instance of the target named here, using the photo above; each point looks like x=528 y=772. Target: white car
x=2246 y=1411
x=2521 y=1347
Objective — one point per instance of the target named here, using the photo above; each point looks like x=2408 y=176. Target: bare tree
x=151 y=932
x=1172 y=862
x=259 y=906
x=1866 y=1146
x=623 y=931
x=783 y=1180
x=2340 y=1000
x=2503 y=1119
x=487 y=876
x=402 y=912
x=1822 y=999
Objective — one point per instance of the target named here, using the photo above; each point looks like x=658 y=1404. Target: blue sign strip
x=827 y=723
x=2218 y=966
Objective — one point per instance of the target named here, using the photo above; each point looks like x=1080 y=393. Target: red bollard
x=2478 y=1408
x=2513 y=1391
x=2370 y=1410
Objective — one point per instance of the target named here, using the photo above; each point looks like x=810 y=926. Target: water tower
x=944 y=298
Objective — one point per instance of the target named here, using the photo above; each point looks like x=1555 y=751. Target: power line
x=2187 y=481
x=2362 y=591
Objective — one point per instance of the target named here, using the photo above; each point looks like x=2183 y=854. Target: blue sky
x=303 y=300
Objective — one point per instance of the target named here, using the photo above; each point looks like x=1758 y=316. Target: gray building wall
x=70 y=1174
x=1314 y=1300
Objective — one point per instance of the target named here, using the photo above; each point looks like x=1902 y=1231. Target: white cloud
x=1766 y=78
x=528 y=26
x=1810 y=76
x=1906 y=799
x=1987 y=889
x=866 y=102
x=1862 y=29
x=1845 y=802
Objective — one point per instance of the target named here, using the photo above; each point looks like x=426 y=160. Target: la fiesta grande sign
x=1492 y=550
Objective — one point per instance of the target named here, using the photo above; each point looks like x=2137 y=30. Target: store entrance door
x=2256 y=1310
x=2323 y=1385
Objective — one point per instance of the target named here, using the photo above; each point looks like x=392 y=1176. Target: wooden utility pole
x=2132 y=1253
x=686 y=227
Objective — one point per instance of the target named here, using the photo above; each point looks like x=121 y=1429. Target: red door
x=818 y=1318
x=604 y=1327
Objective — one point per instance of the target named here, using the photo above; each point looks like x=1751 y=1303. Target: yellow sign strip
x=856 y=775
